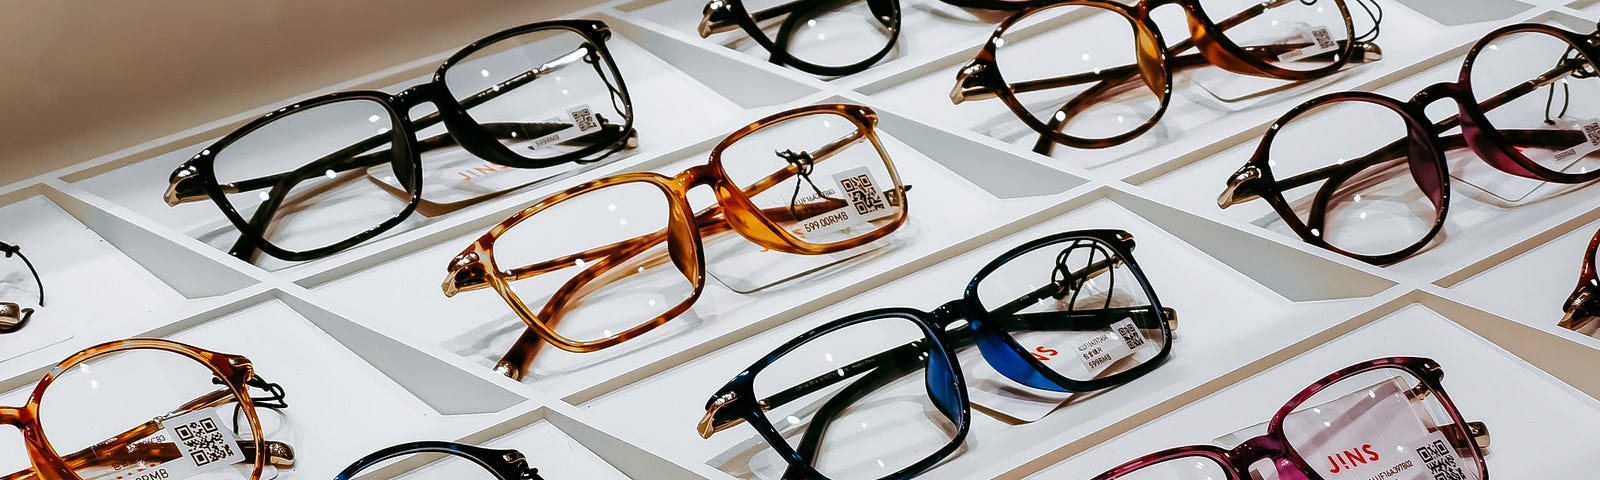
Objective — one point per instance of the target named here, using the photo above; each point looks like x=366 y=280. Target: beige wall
x=84 y=78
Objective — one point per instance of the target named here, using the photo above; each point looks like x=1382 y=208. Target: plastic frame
x=982 y=77
x=725 y=15
x=234 y=374
x=1581 y=303
x=1423 y=147
x=475 y=268
x=1275 y=446
x=12 y=316
x=503 y=464
x=196 y=178
x=737 y=402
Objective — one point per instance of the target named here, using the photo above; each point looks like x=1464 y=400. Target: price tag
x=1089 y=357
x=1318 y=40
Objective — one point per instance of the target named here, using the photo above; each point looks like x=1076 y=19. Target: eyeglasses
x=460 y=461
x=820 y=37
x=618 y=256
x=149 y=406
x=1107 y=78
x=894 y=412
x=1388 y=414
x=12 y=316
x=290 y=181
x=1382 y=185
x=1580 y=306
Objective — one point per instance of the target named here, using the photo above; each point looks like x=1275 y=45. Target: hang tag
x=993 y=391
x=580 y=121
x=203 y=441
x=1319 y=40
x=864 y=198
x=1375 y=432
x=1467 y=168
x=1591 y=136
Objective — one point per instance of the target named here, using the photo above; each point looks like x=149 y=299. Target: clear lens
x=597 y=263
x=1557 y=125
x=543 y=94
x=830 y=33
x=1089 y=65
x=1380 y=421
x=1373 y=203
x=1095 y=319
x=429 y=465
x=1299 y=35
x=1182 y=468
x=881 y=417
x=144 y=402
x=818 y=177
x=306 y=169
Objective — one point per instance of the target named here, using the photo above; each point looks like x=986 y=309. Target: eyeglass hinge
x=966 y=87
x=709 y=423
x=717 y=17
x=1479 y=433
x=1366 y=52
x=1574 y=310
x=1234 y=194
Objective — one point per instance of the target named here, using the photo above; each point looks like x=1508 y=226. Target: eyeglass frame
x=1275 y=445
x=726 y=15
x=1580 y=303
x=474 y=268
x=981 y=77
x=195 y=179
x=506 y=464
x=736 y=401
x=1493 y=145
x=12 y=316
x=234 y=373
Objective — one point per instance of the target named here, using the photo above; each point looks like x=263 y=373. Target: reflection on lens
x=606 y=278
x=1380 y=421
x=541 y=94
x=306 y=169
x=1294 y=35
x=1372 y=203
x=866 y=385
x=1557 y=124
x=1081 y=78
x=1095 y=318
x=829 y=33
x=146 y=401
x=1182 y=468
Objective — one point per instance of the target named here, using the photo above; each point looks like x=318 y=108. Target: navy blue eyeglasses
x=502 y=464
x=1070 y=312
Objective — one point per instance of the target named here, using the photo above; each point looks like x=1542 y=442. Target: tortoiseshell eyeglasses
x=13 y=316
x=615 y=257
x=1383 y=415
x=1106 y=77
x=152 y=407
x=1583 y=305
x=536 y=96
x=1377 y=168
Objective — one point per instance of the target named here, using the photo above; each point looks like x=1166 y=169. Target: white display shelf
x=372 y=354
x=1539 y=425
x=1212 y=339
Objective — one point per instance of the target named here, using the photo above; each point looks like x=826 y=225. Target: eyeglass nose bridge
x=1267 y=448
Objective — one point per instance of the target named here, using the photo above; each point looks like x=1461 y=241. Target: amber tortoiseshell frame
x=1581 y=304
x=475 y=267
x=234 y=374
x=982 y=78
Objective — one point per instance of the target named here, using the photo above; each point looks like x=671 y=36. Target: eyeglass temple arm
x=1241 y=188
x=122 y=449
x=718 y=16
x=9 y=250
x=351 y=157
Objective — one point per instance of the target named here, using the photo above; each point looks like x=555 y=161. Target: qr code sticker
x=1441 y=460
x=1591 y=131
x=583 y=118
x=1323 y=38
x=1130 y=335
x=205 y=443
x=863 y=194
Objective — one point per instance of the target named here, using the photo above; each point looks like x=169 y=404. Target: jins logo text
x=483 y=170
x=1350 y=459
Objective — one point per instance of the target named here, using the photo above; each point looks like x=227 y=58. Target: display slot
x=659 y=91
x=1538 y=431
x=1195 y=116
x=1213 y=338
x=928 y=29
x=1530 y=281
x=340 y=406
x=78 y=249
x=482 y=325
x=1489 y=210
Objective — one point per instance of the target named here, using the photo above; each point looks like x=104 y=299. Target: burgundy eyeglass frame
x=1579 y=303
x=1425 y=151
x=1275 y=446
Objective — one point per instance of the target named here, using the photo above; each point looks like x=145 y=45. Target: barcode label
x=583 y=118
x=1441 y=460
x=863 y=193
x=1590 y=143
x=204 y=439
x=1130 y=334
x=579 y=118
x=1318 y=40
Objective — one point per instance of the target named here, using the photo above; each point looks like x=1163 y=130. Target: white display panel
x=372 y=354
x=1542 y=421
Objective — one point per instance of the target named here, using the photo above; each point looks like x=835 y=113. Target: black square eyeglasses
x=13 y=316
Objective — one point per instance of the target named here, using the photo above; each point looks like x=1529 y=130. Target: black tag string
x=803 y=165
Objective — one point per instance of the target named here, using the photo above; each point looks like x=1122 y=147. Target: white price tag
x=1318 y=40
x=200 y=438
x=864 y=202
x=580 y=121
x=993 y=391
x=1590 y=143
